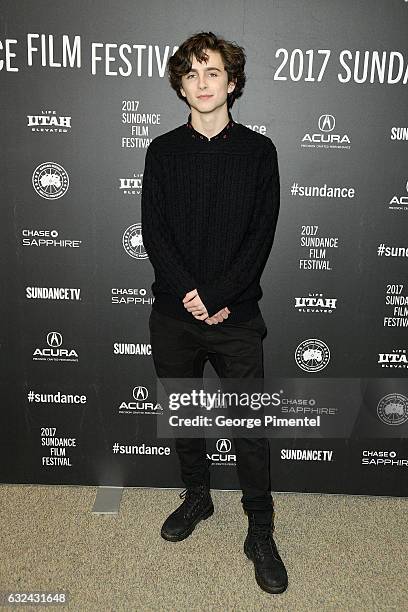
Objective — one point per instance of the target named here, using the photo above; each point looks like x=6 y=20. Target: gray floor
x=342 y=553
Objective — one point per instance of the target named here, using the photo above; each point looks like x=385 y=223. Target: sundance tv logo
x=53 y=293
x=309 y=454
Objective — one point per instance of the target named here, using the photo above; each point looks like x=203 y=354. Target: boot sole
x=265 y=587
x=189 y=531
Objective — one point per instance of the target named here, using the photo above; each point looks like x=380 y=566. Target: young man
x=210 y=202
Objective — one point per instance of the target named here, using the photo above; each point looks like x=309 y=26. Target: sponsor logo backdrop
x=83 y=93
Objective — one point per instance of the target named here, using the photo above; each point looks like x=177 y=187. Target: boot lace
x=263 y=542
x=192 y=498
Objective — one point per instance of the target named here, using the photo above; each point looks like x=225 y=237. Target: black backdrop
x=83 y=93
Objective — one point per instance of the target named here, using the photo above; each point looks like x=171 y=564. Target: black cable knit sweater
x=209 y=214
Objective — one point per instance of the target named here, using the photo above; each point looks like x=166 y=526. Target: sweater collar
x=225 y=132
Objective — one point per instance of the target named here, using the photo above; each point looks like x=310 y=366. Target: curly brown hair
x=233 y=57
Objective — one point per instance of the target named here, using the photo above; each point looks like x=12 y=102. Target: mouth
x=205 y=97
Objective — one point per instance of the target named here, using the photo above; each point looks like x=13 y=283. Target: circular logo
x=50 y=181
x=54 y=339
x=326 y=123
x=133 y=241
x=392 y=409
x=223 y=445
x=312 y=355
x=140 y=393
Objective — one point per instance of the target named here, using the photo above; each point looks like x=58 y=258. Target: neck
x=210 y=124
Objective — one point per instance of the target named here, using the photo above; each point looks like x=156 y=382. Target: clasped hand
x=192 y=302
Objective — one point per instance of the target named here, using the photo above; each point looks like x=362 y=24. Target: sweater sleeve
x=162 y=251
x=252 y=255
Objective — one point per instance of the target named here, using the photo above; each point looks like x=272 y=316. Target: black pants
x=179 y=350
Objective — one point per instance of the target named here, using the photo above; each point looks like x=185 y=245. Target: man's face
x=206 y=85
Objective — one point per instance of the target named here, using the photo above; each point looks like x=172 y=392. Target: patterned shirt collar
x=223 y=134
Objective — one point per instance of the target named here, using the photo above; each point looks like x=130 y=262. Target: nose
x=202 y=82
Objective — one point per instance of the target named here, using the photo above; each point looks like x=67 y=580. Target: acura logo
x=223 y=445
x=140 y=393
x=326 y=123
x=54 y=339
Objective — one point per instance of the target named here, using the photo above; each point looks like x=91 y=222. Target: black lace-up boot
x=196 y=506
x=260 y=547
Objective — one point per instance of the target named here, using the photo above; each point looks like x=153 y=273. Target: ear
x=231 y=86
x=183 y=93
